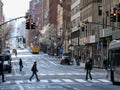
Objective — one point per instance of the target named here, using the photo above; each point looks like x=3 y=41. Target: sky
x=15 y=8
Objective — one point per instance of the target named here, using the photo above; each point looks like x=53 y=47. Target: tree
x=49 y=34
x=5 y=34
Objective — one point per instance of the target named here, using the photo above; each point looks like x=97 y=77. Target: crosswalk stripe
x=44 y=74
x=60 y=74
x=51 y=74
x=93 y=80
x=104 y=80
x=68 y=73
x=59 y=81
x=19 y=81
x=44 y=81
x=56 y=80
x=67 y=80
x=80 y=80
x=7 y=82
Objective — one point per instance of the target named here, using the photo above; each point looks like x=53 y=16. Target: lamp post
x=78 y=62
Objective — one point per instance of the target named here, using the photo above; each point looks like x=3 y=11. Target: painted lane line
x=19 y=85
x=80 y=80
x=44 y=81
x=56 y=81
x=93 y=80
x=67 y=80
x=104 y=80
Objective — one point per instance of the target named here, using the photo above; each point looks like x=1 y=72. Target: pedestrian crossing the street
x=63 y=81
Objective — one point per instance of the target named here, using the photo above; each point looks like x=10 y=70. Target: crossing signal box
x=33 y=25
x=28 y=24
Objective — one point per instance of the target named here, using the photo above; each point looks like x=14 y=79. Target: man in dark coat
x=34 y=70
x=1 y=71
x=88 y=68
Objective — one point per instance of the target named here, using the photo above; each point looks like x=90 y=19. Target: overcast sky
x=15 y=8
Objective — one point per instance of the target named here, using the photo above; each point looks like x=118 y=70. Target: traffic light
x=113 y=17
x=33 y=25
x=28 y=24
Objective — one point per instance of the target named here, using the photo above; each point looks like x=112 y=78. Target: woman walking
x=20 y=64
x=88 y=68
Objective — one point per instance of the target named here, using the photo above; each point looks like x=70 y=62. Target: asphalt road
x=52 y=75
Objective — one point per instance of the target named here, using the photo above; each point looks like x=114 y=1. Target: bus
x=35 y=49
x=114 y=61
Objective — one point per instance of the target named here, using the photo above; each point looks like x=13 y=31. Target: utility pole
x=12 y=20
x=78 y=63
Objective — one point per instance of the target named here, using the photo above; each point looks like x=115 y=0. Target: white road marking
x=93 y=80
x=80 y=80
x=14 y=69
x=53 y=63
x=44 y=81
x=104 y=80
x=51 y=74
x=18 y=82
x=56 y=81
x=67 y=80
x=60 y=73
x=19 y=85
x=7 y=82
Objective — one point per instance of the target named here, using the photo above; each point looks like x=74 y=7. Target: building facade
x=89 y=36
x=75 y=22
x=66 y=27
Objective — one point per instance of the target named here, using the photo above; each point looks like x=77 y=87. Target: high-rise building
x=75 y=22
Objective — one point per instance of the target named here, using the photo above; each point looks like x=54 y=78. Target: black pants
x=21 y=67
x=34 y=73
x=88 y=73
x=1 y=73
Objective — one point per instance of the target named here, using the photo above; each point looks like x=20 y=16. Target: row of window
x=76 y=22
x=73 y=1
x=86 y=13
x=75 y=10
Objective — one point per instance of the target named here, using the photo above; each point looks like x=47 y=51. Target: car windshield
x=5 y=62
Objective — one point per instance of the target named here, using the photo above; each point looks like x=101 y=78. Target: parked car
x=66 y=59
x=6 y=58
x=6 y=51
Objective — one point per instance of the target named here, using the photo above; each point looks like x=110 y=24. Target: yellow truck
x=35 y=49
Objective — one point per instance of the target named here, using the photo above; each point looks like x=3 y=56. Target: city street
x=52 y=75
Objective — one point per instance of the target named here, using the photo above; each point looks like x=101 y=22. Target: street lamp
x=78 y=63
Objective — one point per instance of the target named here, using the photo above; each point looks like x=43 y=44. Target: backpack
x=32 y=69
